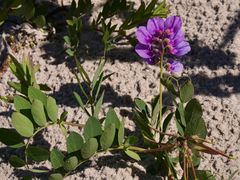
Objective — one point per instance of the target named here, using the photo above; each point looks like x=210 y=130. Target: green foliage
x=26 y=9
x=34 y=93
x=55 y=176
x=21 y=103
x=120 y=134
x=111 y=118
x=89 y=148
x=202 y=175
x=38 y=112
x=71 y=163
x=108 y=135
x=186 y=91
x=38 y=153
x=57 y=159
x=74 y=142
x=52 y=109
x=92 y=128
x=132 y=155
x=22 y=124
x=11 y=138
x=16 y=161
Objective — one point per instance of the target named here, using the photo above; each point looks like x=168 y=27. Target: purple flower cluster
x=161 y=36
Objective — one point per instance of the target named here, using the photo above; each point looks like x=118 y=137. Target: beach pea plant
x=35 y=111
x=173 y=135
x=161 y=42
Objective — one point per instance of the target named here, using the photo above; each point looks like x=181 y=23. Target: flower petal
x=182 y=48
x=175 y=66
x=174 y=23
x=154 y=25
x=143 y=36
x=178 y=37
x=143 y=51
x=151 y=61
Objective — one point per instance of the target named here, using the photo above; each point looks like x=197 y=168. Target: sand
x=213 y=29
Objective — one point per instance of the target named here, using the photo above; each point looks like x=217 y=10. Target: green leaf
x=131 y=140
x=112 y=117
x=21 y=103
x=143 y=123
x=105 y=38
x=67 y=39
x=74 y=142
x=71 y=163
x=186 y=91
x=89 y=148
x=193 y=111
x=17 y=69
x=38 y=113
x=196 y=158
x=169 y=85
x=97 y=87
x=167 y=121
x=40 y=171
x=3 y=16
x=98 y=105
x=180 y=128
x=63 y=129
x=57 y=159
x=107 y=137
x=180 y=115
x=34 y=93
x=142 y=106
x=11 y=138
x=132 y=154
x=83 y=73
x=80 y=102
x=92 y=128
x=22 y=124
x=52 y=109
x=63 y=116
x=202 y=175
x=37 y=153
x=150 y=7
x=162 y=10
x=70 y=52
x=16 y=161
x=98 y=72
x=40 y=21
x=18 y=87
x=55 y=176
x=28 y=9
x=121 y=134
x=155 y=110
x=196 y=127
x=27 y=177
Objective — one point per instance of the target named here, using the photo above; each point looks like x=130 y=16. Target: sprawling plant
x=159 y=42
x=173 y=134
x=27 y=10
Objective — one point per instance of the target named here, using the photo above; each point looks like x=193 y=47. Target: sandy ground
x=213 y=29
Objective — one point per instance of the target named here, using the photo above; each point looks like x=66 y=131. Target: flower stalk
x=159 y=124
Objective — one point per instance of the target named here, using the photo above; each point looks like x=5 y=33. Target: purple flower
x=161 y=35
x=174 y=66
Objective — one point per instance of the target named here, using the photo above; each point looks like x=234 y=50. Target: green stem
x=160 y=91
x=28 y=142
x=74 y=124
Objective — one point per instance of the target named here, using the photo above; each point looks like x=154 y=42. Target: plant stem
x=160 y=132
x=160 y=91
x=74 y=124
x=28 y=142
